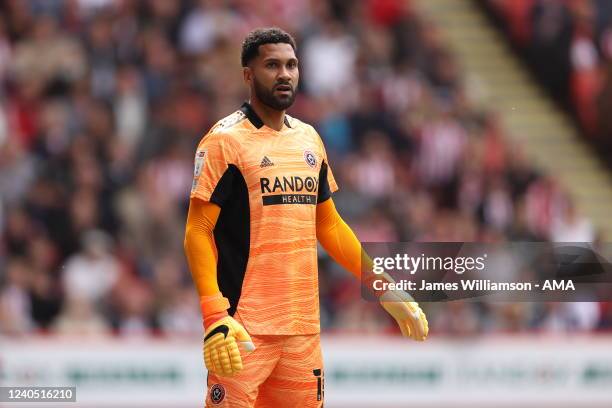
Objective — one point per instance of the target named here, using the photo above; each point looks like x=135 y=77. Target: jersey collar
x=252 y=116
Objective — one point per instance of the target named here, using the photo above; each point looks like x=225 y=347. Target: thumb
x=243 y=337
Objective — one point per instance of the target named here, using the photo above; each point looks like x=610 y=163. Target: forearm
x=343 y=246
x=201 y=256
x=200 y=246
x=222 y=333
x=339 y=240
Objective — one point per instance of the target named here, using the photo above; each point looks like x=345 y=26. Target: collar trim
x=252 y=116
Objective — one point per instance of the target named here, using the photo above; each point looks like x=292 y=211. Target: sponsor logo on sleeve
x=199 y=162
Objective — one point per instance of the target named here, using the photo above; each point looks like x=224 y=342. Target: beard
x=270 y=99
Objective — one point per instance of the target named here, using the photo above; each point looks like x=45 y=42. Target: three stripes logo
x=265 y=162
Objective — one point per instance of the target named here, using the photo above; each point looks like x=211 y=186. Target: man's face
x=273 y=75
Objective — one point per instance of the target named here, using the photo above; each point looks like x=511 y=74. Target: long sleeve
x=200 y=245
x=344 y=247
x=338 y=239
x=202 y=257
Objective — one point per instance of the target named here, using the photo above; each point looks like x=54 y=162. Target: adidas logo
x=265 y=162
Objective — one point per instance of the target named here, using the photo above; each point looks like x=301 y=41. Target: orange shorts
x=282 y=371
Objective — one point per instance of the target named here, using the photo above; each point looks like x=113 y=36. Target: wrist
x=214 y=308
x=213 y=318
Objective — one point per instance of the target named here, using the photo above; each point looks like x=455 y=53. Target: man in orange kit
x=261 y=198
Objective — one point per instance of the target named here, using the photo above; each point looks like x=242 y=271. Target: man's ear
x=247 y=75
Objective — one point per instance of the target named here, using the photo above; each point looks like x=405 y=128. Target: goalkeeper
x=261 y=198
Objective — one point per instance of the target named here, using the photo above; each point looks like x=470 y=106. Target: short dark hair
x=261 y=36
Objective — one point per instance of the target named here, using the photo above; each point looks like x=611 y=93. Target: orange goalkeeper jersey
x=267 y=184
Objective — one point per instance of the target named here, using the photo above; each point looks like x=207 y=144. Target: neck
x=272 y=118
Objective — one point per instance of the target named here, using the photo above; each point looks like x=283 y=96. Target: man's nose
x=284 y=74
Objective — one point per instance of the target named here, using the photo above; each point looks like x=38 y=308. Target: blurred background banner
x=444 y=121
x=489 y=371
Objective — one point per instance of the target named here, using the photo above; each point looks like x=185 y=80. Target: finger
x=224 y=359
x=243 y=337
x=419 y=331
x=249 y=346
x=216 y=363
x=405 y=329
x=419 y=323
x=413 y=331
x=207 y=360
x=215 y=341
x=234 y=356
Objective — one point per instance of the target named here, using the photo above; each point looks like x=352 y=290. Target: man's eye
x=271 y=65
x=292 y=65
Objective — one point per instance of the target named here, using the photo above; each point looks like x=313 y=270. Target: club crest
x=310 y=158
x=217 y=394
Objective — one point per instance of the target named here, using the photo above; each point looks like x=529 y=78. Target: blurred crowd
x=102 y=103
x=569 y=45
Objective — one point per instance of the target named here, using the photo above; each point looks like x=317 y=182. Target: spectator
x=92 y=273
x=102 y=103
x=571 y=227
x=15 y=307
x=80 y=319
x=568 y=45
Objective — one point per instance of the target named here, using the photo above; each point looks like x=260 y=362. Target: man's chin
x=282 y=103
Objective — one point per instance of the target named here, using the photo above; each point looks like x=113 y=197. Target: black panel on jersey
x=225 y=186
x=324 y=190
x=232 y=233
x=251 y=115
